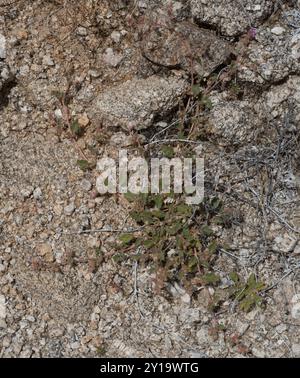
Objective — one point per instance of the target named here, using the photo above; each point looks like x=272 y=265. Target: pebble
x=2 y=307
x=296 y=350
x=278 y=30
x=45 y=250
x=83 y=120
x=69 y=210
x=37 y=193
x=295 y=312
x=86 y=185
x=115 y=36
x=111 y=58
x=82 y=31
x=258 y=353
x=48 y=61
x=26 y=192
x=2 y=47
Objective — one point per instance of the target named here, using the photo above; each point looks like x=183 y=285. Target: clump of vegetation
x=176 y=239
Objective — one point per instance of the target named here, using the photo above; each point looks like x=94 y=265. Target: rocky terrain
x=81 y=79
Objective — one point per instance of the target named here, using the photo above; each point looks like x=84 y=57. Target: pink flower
x=252 y=33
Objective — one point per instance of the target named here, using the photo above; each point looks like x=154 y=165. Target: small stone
x=186 y=299
x=2 y=307
x=296 y=350
x=45 y=250
x=258 y=353
x=195 y=354
x=58 y=114
x=278 y=30
x=111 y=58
x=94 y=73
x=116 y=36
x=295 y=312
x=26 y=192
x=69 y=210
x=82 y=31
x=3 y=324
x=241 y=327
x=86 y=185
x=2 y=47
x=296 y=298
x=21 y=34
x=37 y=193
x=83 y=120
x=47 y=61
x=56 y=332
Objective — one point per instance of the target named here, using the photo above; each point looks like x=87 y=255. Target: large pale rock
x=136 y=103
x=231 y=17
x=271 y=57
x=185 y=46
x=234 y=122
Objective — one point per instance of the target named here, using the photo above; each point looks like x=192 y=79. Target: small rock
x=116 y=36
x=82 y=31
x=3 y=324
x=83 y=120
x=69 y=210
x=278 y=30
x=296 y=350
x=120 y=139
x=26 y=192
x=56 y=332
x=295 y=312
x=135 y=103
x=2 y=307
x=58 y=114
x=47 y=61
x=186 y=298
x=2 y=47
x=45 y=250
x=296 y=298
x=241 y=327
x=37 y=193
x=86 y=185
x=190 y=315
x=258 y=353
x=94 y=73
x=176 y=290
x=195 y=354
x=111 y=58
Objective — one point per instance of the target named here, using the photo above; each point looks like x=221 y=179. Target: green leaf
x=211 y=278
x=84 y=165
x=127 y=239
x=119 y=257
x=207 y=231
x=150 y=243
x=130 y=197
x=76 y=128
x=168 y=151
x=184 y=209
x=212 y=247
x=158 y=200
x=196 y=90
x=216 y=203
x=158 y=214
x=206 y=101
x=173 y=230
x=234 y=277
